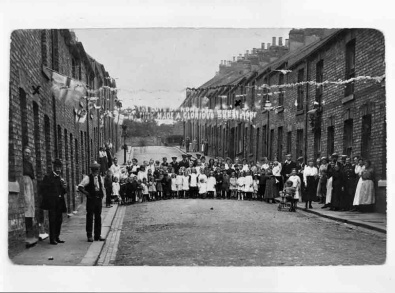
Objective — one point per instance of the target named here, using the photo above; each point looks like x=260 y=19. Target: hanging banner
x=184 y=114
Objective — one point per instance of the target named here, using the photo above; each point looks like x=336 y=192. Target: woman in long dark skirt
x=271 y=190
x=262 y=184
x=310 y=176
x=337 y=188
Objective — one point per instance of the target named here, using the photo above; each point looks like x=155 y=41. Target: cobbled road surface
x=187 y=232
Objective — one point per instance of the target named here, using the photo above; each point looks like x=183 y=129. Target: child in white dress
x=173 y=185
x=211 y=182
x=240 y=186
x=115 y=190
x=185 y=184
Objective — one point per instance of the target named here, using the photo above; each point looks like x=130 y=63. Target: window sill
x=348 y=98
x=299 y=112
x=46 y=72
x=280 y=109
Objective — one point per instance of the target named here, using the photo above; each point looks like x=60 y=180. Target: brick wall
x=369 y=99
x=44 y=124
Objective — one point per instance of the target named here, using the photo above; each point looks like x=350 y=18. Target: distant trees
x=148 y=128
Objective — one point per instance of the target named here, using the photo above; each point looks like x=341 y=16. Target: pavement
x=372 y=221
x=76 y=250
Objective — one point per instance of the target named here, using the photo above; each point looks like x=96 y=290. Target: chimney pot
x=280 y=41
x=287 y=43
x=273 y=41
x=263 y=46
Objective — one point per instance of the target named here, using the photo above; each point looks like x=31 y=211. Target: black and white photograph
x=183 y=147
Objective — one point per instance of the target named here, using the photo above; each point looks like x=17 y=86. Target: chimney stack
x=247 y=53
x=280 y=41
x=268 y=45
x=273 y=41
x=253 y=51
x=234 y=58
x=287 y=43
x=263 y=46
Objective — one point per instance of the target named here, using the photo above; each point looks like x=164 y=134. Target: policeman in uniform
x=175 y=165
x=92 y=187
x=53 y=189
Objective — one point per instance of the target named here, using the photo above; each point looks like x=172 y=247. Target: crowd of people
x=337 y=182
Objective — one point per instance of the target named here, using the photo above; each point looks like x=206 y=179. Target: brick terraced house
x=309 y=121
x=47 y=126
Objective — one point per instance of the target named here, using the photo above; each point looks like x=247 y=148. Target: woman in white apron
x=358 y=171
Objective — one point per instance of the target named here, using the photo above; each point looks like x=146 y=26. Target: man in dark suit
x=174 y=164
x=92 y=187
x=184 y=162
x=287 y=167
x=53 y=189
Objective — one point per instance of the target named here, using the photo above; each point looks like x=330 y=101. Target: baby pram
x=286 y=202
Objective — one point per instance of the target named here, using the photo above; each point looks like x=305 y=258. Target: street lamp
x=124 y=134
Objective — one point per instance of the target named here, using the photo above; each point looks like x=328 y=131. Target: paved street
x=237 y=233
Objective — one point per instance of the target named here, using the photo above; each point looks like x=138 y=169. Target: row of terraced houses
x=309 y=121
x=47 y=126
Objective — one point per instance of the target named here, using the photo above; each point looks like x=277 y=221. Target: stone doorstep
x=363 y=223
x=31 y=241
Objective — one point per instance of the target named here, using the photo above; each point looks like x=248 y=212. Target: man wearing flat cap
x=288 y=165
x=53 y=189
x=175 y=165
x=92 y=187
x=184 y=162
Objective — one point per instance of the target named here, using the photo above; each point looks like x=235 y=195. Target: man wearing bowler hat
x=53 y=189
x=92 y=187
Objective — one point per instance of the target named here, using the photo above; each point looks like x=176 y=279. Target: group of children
x=188 y=183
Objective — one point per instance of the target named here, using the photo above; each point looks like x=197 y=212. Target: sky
x=154 y=66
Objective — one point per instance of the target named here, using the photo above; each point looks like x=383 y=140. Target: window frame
x=300 y=93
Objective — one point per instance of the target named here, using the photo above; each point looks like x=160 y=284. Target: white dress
x=116 y=170
x=328 y=198
x=248 y=184
x=185 y=182
x=173 y=184
x=194 y=181
x=240 y=184
x=202 y=183
x=211 y=182
x=179 y=182
x=358 y=171
x=295 y=179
